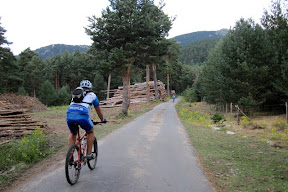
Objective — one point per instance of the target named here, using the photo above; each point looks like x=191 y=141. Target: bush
x=63 y=96
x=31 y=148
x=246 y=122
x=217 y=117
x=190 y=95
x=47 y=93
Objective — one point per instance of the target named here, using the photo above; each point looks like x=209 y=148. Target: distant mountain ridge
x=200 y=35
x=185 y=39
x=58 y=49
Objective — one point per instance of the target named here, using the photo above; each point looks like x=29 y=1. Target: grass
x=240 y=162
x=20 y=154
x=16 y=157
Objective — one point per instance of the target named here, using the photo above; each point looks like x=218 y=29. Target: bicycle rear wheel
x=92 y=162
x=72 y=166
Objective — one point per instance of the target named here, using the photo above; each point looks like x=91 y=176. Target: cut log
x=138 y=94
x=16 y=123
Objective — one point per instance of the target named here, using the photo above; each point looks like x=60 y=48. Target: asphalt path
x=151 y=153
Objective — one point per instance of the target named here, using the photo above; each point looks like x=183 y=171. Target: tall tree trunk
x=34 y=92
x=155 y=82
x=108 y=86
x=168 y=85
x=148 y=83
x=167 y=76
x=126 y=85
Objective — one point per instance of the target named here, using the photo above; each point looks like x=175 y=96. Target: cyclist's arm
x=99 y=112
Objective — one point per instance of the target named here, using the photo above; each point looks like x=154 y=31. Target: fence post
x=238 y=118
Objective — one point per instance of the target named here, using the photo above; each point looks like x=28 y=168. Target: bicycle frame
x=81 y=150
x=73 y=166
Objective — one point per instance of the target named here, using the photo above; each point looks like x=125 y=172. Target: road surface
x=151 y=153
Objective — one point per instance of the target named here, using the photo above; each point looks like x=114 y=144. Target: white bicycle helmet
x=86 y=84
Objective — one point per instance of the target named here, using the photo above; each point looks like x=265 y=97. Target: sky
x=38 y=23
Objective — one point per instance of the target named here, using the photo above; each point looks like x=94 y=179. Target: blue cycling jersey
x=79 y=112
x=83 y=108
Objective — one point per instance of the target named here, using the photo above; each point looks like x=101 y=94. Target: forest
x=248 y=66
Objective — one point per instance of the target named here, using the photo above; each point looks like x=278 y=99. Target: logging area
x=15 y=116
x=138 y=94
x=16 y=110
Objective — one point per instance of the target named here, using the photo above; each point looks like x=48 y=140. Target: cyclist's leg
x=87 y=125
x=90 y=140
x=72 y=139
x=73 y=127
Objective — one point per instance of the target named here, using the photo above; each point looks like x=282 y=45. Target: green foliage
x=281 y=125
x=98 y=85
x=31 y=148
x=63 y=96
x=218 y=117
x=138 y=30
x=276 y=24
x=47 y=93
x=238 y=69
x=9 y=71
x=275 y=135
x=194 y=116
x=197 y=53
x=190 y=95
x=136 y=25
x=186 y=77
x=22 y=91
x=245 y=122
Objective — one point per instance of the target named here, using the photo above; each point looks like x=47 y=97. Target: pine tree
x=276 y=24
x=9 y=71
x=47 y=93
x=125 y=30
x=239 y=68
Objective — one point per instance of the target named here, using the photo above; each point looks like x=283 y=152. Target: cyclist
x=77 y=114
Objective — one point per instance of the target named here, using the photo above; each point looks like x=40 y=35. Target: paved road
x=151 y=153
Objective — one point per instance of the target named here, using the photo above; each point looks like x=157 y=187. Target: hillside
x=200 y=35
x=186 y=39
x=58 y=49
x=196 y=53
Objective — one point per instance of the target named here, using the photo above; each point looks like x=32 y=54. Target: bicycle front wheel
x=92 y=162
x=72 y=166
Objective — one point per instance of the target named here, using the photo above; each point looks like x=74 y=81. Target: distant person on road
x=78 y=113
x=173 y=97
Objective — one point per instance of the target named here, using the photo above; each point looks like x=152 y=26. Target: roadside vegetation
x=17 y=157
x=245 y=160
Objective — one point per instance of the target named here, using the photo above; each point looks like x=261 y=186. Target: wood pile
x=138 y=94
x=15 y=122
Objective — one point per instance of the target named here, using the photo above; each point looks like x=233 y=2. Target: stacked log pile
x=138 y=94
x=15 y=122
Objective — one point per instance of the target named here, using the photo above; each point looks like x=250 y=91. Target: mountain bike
x=76 y=157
